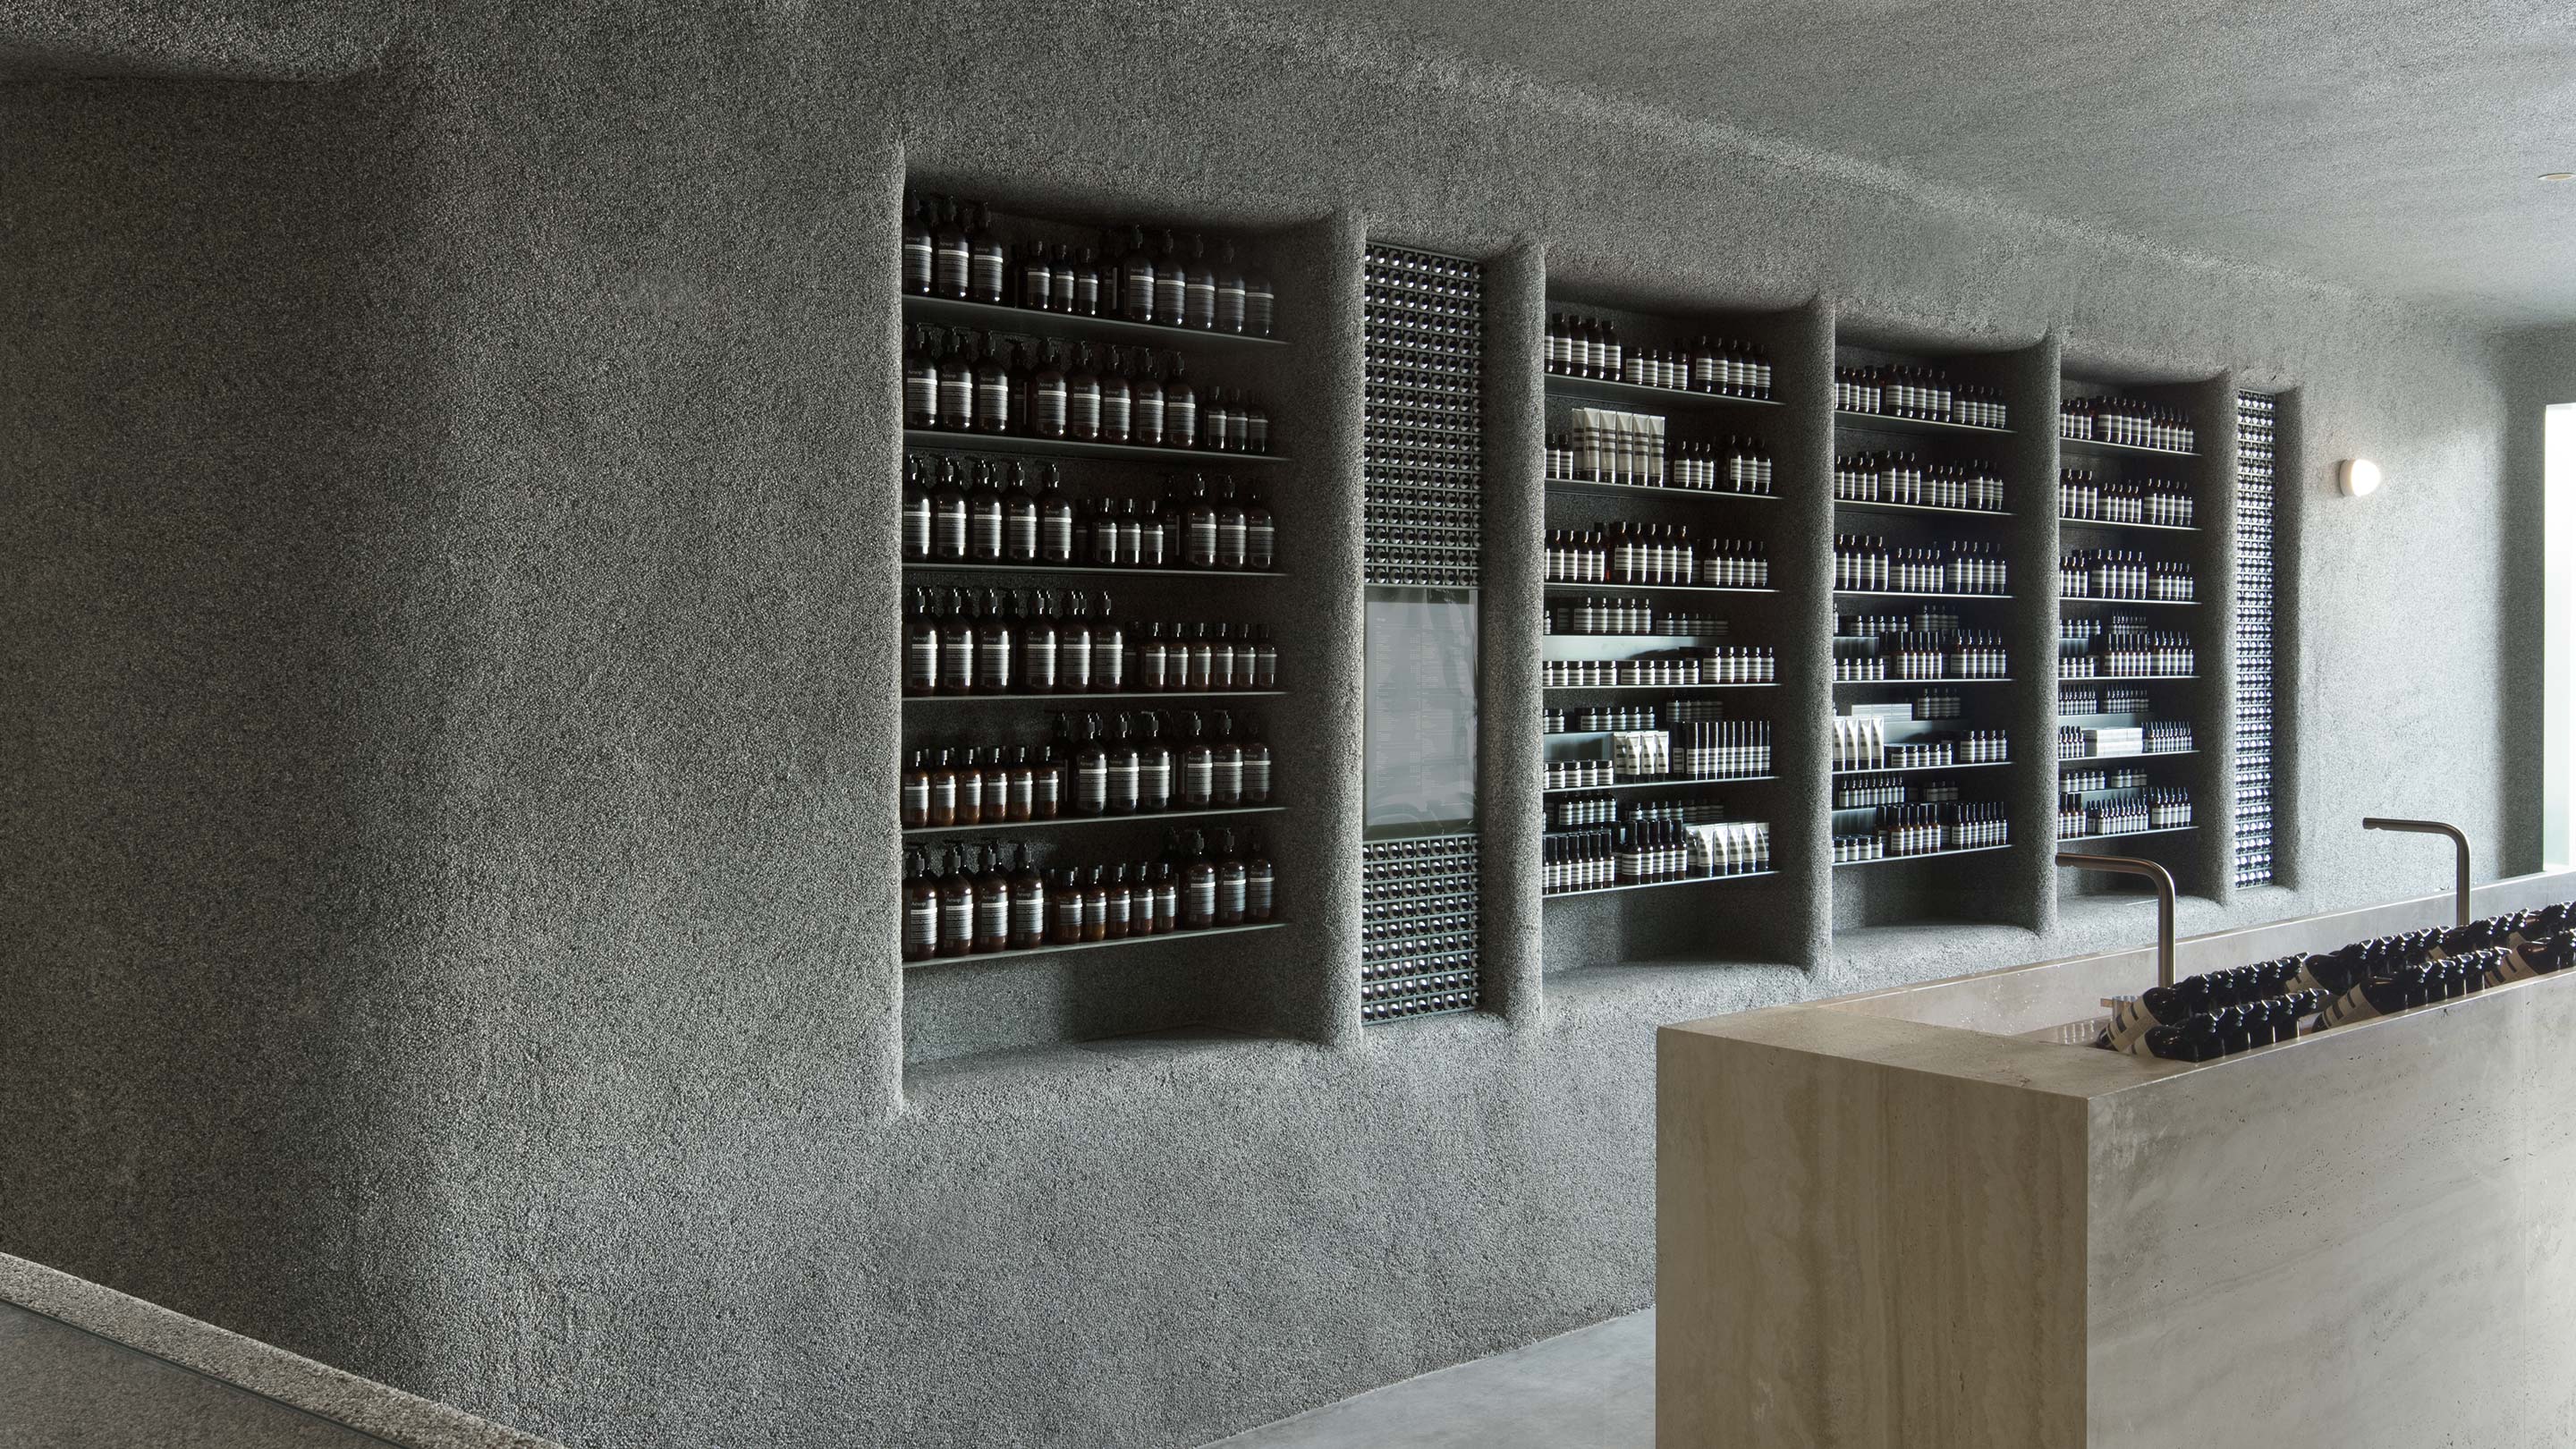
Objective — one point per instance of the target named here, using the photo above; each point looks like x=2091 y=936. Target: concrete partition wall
x=450 y=671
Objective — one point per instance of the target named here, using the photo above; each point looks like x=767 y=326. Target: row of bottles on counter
x=1718 y=750
x=951 y=249
x=967 y=641
x=2161 y=808
x=1926 y=829
x=1590 y=348
x=2119 y=573
x=1144 y=762
x=2163 y=502
x=1909 y=655
x=2153 y=737
x=981 y=510
x=1733 y=465
x=1726 y=664
x=2128 y=421
x=1646 y=852
x=977 y=383
x=1922 y=393
x=2154 y=654
x=1654 y=553
x=1862 y=562
x=1866 y=792
x=1634 y=615
x=2127 y=699
x=973 y=897
x=2202 y=1017
x=1860 y=744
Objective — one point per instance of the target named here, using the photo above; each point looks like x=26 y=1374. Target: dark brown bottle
x=1068 y=284
x=1230 y=881
x=916 y=791
x=1082 y=398
x=1260 y=881
x=1091 y=771
x=1019 y=518
x=1197 y=764
x=956 y=907
x=1198 y=886
x=1055 y=518
x=1232 y=294
x=1265 y=661
x=992 y=887
x=920 y=646
x=916 y=511
x=1220 y=652
x=948 y=515
x=1108 y=650
x=1048 y=773
x=984 y=516
x=951 y=254
x=1247 y=656
x=1119 y=903
x=1215 y=415
x=1049 y=404
x=1020 y=800
x=1064 y=909
x=1201 y=300
x=1153 y=767
x=1256 y=767
x=1124 y=767
x=996 y=650
x=1139 y=887
x=970 y=790
x=1145 y=425
x=997 y=786
x=1171 y=284
x=1136 y=279
x=1153 y=660
x=957 y=646
x=920 y=908
x=1180 y=407
x=943 y=790
x=1117 y=399
x=1028 y=903
x=1086 y=283
x=920 y=381
x=1225 y=765
x=1037 y=647
x=993 y=404
x=1073 y=649
x=956 y=385
x=1199 y=661
x=1167 y=897
x=1036 y=274
x=1198 y=527
x=987 y=268
x=1260 y=534
x=1095 y=907
x=916 y=251
x=1232 y=529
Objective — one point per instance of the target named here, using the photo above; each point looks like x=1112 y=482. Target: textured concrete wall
x=449 y=932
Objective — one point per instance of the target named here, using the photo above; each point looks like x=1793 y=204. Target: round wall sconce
x=2357 y=477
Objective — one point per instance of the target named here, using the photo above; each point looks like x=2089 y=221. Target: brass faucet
x=2163 y=881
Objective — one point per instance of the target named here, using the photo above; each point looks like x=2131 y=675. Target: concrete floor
x=1593 y=1388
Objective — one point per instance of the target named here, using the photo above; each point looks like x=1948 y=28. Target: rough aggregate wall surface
x=451 y=902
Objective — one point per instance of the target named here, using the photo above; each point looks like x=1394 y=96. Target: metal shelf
x=913 y=699
x=2118 y=450
x=1202 y=458
x=1915 y=770
x=1601 y=389
x=1883 y=423
x=1197 y=935
x=1667 y=688
x=1607 y=587
x=1660 y=490
x=922 y=566
x=1650 y=784
x=2125 y=835
x=1860 y=505
x=2107 y=525
x=1927 y=855
x=1062 y=821
x=1648 y=885
x=1002 y=317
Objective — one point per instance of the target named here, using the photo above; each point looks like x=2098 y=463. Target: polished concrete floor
x=1593 y=1388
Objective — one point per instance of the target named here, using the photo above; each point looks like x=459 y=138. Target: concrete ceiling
x=2389 y=147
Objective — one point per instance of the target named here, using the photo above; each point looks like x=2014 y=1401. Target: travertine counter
x=1893 y=1220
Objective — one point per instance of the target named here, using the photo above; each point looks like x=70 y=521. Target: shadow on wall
x=211 y=717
